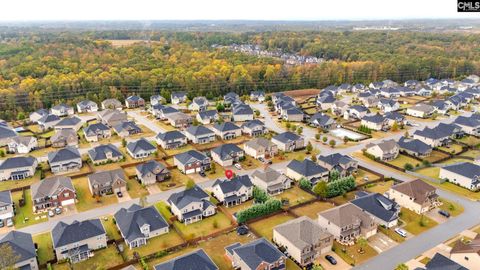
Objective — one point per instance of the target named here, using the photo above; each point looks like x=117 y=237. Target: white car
x=401 y=232
x=238 y=166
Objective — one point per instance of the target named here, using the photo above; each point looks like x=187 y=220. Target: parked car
x=238 y=166
x=1 y=223
x=9 y=222
x=331 y=259
x=261 y=159
x=120 y=194
x=242 y=230
x=58 y=211
x=444 y=213
x=202 y=174
x=51 y=213
x=401 y=232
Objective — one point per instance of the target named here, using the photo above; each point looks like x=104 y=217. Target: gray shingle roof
x=179 y=94
x=65 y=234
x=185 y=197
x=100 y=152
x=253 y=123
x=129 y=126
x=7 y=132
x=306 y=167
x=104 y=177
x=376 y=118
x=141 y=144
x=302 y=232
x=67 y=153
x=226 y=151
x=190 y=156
x=242 y=109
x=51 y=186
x=199 y=130
x=210 y=114
x=414 y=145
x=286 y=137
x=21 y=244
x=17 y=162
x=379 y=206
x=335 y=159
x=196 y=260
x=440 y=262
x=227 y=126
x=93 y=129
x=151 y=166
x=130 y=221
x=258 y=252
x=234 y=184
x=466 y=169
x=170 y=135
x=5 y=198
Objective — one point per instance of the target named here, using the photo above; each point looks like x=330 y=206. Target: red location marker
x=229 y=174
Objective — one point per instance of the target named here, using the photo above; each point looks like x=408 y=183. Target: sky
x=28 y=10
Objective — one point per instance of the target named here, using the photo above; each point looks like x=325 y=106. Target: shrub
x=305 y=184
x=340 y=186
x=259 y=195
x=258 y=210
x=408 y=167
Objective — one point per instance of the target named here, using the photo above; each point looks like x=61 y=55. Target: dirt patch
x=302 y=95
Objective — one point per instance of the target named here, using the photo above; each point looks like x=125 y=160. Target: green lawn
x=345 y=198
x=11 y=184
x=219 y=172
x=45 y=251
x=471 y=153
x=401 y=160
x=85 y=199
x=454 y=148
x=453 y=208
x=135 y=189
x=163 y=209
x=361 y=174
x=470 y=140
x=111 y=228
x=237 y=208
x=351 y=255
x=391 y=234
x=379 y=187
x=429 y=171
x=425 y=260
x=24 y=215
x=172 y=152
x=312 y=209
x=295 y=195
x=250 y=163
x=177 y=179
x=103 y=259
x=264 y=227
x=156 y=244
x=298 y=155
x=415 y=223
x=457 y=189
x=204 y=227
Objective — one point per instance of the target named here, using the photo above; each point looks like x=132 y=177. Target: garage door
x=68 y=202
x=190 y=171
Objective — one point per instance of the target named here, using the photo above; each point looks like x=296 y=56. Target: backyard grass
x=415 y=223
x=391 y=234
x=298 y=155
x=453 y=208
x=45 y=251
x=135 y=189
x=312 y=209
x=295 y=195
x=177 y=179
x=146 y=132
x=111 y=228
x=379 y=187
x=24 y=216
x=219 y=172
x=401 y=160
x=351 y=255
x=458 y=190
x=164 y=125
x=453 y=148
x=11 y=184
x=250 y=163
x=155 y=244
x=237 y=208
x=103 y=259
x=425 y=260
x=361 y=174
x=432 y=172
x=204 y=227
x=470 y=140
x=435 y=156
x=85 y=200
x=264 y=227
x=163 y=208
x=471 y=153
x=343 y=199
x=185 y=148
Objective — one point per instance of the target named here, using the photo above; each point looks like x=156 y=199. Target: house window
x=66 y=194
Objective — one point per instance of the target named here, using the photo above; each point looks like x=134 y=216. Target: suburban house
x=254 y=128
x=227 y=154
x=375 y=122
x=104 y=153
x=52 y=192
x=140 y=148
x=271 y=181
x=96 y=132
x=257 y=96
x=171 y=139
x=421 y=110
x=178 y=97
x=191 y=205
x=322 y=121
x=385 y=150
x=137 y=224
x=179 y=119
x=382 y=209
x=467 y=254
x=191 y=161
x=338 y=108
x=289 y=141
x=62 y=110
x=86 y=106
x=107 y=182
x=207 y=117
x=343 y=164
x=388 y=105
x=414 y=147
x=227 y=130
x=46 y=122
x=126 y=128
x=464 y=174
x=198 y=104
x=293 y=114
x=260 y=148
x=24 y=251
x=37 y=115
x=440 y=262
x=303 y=239
x=356 y=112
x=111 y=117
x=197 y=259
x=17 y=168
x=22 y=144
x=325 y=100
x=151 y=172
x=306 y=169
x=72 y=122
x=67 y=159
x=230 y=98
x=233 y=191
x=134 y=102
x=415 y=195
x=64 y=137
x=77 y=241
x=258 y=254
x=347 y=223
x=393 y=117
x=6 y=205
x=200 y=134
x=435 y=137
x=157 y=99
x=111 y=104
x=469 y=125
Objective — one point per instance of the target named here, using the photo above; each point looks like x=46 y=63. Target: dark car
x=242 y=230
x=202 y=174
x=331 y=259
x=119 y=194
x=444 y=213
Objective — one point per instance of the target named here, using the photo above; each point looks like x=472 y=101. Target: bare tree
x=8 y=257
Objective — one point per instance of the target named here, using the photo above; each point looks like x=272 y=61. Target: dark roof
x=234 y=184
x=376 y=118
x=253 y=123
x=225 y=151
x=190 y=156
x=321 y=119
x=335 y=159
x=65 y=234
x=64 y=154
x=396 y=116
x=5 y=198
x=7 y=132
x=179 y=94
x=134 y=98
x=21 y=244
x=69 y=121
x=293 y=111
x=467 y=121
x=185 y=197
x=227 y=126
x=257 y=252
x=438 y=132
x=130 y=221
x=170 y=135
x=306 y=167
x=51 y=186
x=141 y=144
x=286 y=137
x=104 y=177
x=100 y=152
x=151 y=166
x=199 y=130
x=208 y=114
x=128 y=126
x=359 y=108
x=414 y=145
x=466 y=169
x=440 y=262
x=17 y=162
x=94 y=128
x=49 y=118
x=196 y=260
x=379 y=206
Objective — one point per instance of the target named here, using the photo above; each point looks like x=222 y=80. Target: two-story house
x=171 y=139
x=22 y=144
x=52 y=192
x=227 y=154
x=343 y=164
x=96 y=132
x=140 y=148
x=24 y=251
x=192 y=161
x=64 y=137
x=200 y=134
x=260 y=148
x=254 y=128
x=134 y=102
x=385 y=150
x=18 y=168
x=151 y=172
x=104 y=153
x=107 y=182
x=271 y=181
x=288 y=141
x=6 y=205
x=65 y=160
x=112 y=104
x=86 y=106
x=306 y=169
x=233 y=191
x=227 y=130
x=191 y=205
x=258 y=254
x=415 y=195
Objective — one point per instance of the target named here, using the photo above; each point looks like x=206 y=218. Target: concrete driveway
x=341 y=264
x=125 y=198
x=380 y=242
x=433 y=214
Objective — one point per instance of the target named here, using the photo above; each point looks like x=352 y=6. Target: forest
x=42 y=67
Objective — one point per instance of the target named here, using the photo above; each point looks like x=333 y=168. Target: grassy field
x=172 y=152
x=415 y=223
x=429 y=171
x=45 y=251
x=401 y=160
x=351 y=255
x=163 y=208
x=470 y=140
x=435 y=156
x=457 y=189
x=471 y=153
x=11 y=184
x=135 y=189
x=361 y=174
x=265 y=226
x=219 y=172
x=345 y=198
x=85 y=199
x=454 y=148
x=24 y=216
x=380 y=187
x=250 y=163
x=453 y=208
x=236 y=208
x=204 y=227
x=111 y=228
x=177 y=179
x=312 y=209
x=156 y=244
x=295 y=195
x=99 y=261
